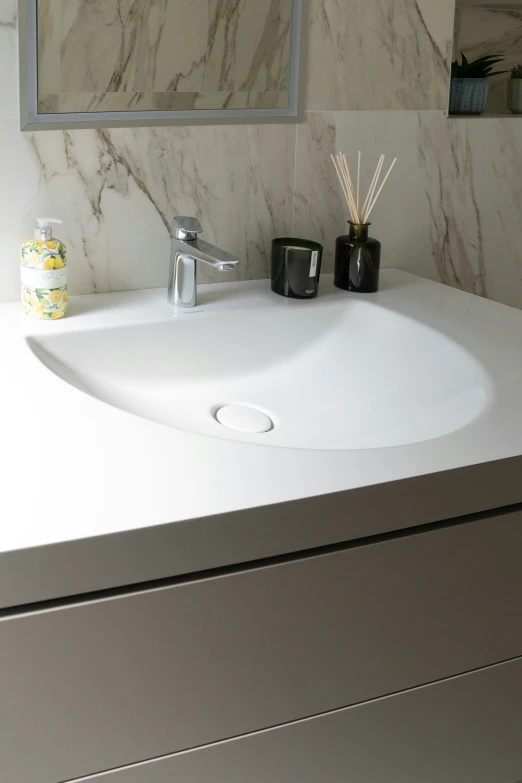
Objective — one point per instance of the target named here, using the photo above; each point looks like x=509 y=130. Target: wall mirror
x=487 y=27
x=94 y=63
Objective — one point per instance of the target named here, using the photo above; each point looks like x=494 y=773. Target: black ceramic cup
x=296 y=266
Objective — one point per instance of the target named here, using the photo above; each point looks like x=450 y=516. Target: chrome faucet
x=186 y=250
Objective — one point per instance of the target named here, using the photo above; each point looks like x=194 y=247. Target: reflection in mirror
x=162 y=55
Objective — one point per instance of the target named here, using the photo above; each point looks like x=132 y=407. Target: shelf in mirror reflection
x=498 y=5
x=487 y=115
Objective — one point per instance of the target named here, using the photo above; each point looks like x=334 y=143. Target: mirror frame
x=31 y=120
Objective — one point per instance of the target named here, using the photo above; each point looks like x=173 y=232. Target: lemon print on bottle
x=44 y=273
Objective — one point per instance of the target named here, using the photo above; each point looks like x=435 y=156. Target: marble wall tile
x=474 y=169
x=480 y=31
x=117 y=191
x=379 y=54
x=249 y=45
x=449 y=212
x=120 y=46
x=9 y=104
x=401 y=218
x=160 y=54
x=19 y=184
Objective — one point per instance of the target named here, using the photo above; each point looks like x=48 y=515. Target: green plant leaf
x=487 y=57
x=481 y=68
x=489 y=63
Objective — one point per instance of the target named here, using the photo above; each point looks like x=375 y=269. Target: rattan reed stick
x=352 y=194
x=379 y=191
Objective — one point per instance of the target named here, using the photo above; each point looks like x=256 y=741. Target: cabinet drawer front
x=464 y=730
x=98 y=685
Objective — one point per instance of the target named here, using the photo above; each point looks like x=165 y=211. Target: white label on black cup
x=313 y=264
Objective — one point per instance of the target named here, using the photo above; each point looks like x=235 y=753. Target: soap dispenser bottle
x=44 y=273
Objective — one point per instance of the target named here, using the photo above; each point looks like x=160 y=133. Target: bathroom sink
x=336 y=373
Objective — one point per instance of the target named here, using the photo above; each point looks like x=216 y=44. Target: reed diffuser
x=358 y=256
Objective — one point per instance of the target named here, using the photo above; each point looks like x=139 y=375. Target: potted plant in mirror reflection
x=515 y=90
x=358 y=256
x=470 y=83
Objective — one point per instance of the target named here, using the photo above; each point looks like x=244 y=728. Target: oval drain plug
x=244 y=419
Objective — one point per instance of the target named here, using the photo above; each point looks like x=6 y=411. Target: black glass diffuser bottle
x=357 y=260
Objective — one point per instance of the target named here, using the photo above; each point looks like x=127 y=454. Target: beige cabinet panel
x=463 y=730
x=92 y=686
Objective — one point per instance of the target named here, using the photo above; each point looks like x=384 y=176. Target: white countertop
x=73 y=467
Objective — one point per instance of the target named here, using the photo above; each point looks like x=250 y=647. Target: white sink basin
x=338 y=373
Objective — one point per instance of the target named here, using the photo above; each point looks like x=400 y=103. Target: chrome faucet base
x=182 y=290
x=186 y=250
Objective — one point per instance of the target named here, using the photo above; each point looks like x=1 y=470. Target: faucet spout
x=187 y=249
x=212 y=255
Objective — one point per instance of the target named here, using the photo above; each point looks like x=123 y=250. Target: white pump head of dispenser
x=43 y=230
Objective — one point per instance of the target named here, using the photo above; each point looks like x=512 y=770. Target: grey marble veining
x=379 y=54
x=120 y=46
x=475 y=202
x=115 y=55
x=320 y=213
x=449 y=211
x=249 y=45
x=117 y=191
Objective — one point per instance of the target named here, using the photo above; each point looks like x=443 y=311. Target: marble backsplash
x=117 y=192
x=451 y=212
x=379 y=54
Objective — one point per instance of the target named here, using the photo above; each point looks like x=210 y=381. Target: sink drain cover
x=243 y=419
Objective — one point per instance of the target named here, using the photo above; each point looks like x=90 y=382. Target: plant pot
x=515 y=96
x=468 y=96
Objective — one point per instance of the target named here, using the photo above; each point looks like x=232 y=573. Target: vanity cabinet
x=462 y=730
x=99 y=684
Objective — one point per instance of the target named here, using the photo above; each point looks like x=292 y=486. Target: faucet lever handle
x=184 y=227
